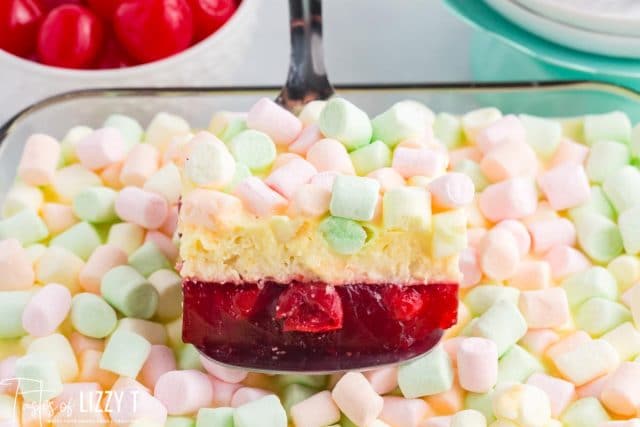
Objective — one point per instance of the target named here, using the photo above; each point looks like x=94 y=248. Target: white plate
x=621 y=17
x=575 y=38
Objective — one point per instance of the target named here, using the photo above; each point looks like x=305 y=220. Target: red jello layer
x=315 y=327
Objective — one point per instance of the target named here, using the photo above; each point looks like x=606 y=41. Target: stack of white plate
x=605 y=27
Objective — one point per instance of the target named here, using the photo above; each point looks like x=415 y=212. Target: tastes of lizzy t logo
x=80 y=403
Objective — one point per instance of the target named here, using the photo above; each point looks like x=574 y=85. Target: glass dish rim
x=169 y=91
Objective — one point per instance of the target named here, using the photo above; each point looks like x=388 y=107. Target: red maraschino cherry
x=19 y=23
x=210 y=15
x=104 y=8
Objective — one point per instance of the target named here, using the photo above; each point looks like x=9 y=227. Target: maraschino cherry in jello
x=323 y=242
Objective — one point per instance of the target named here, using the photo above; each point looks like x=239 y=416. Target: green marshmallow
x=598 y=316
x=128 y=127
x=125 y=353
x=354 y=197
x=516 y=365
x=179 y=422
x=481 y=402
x=218 y=417
x=314 y=381
x=254 y=149
x=129 y=292
x=227 y=124
x=26 y=226
x=503 y=324
x=92 y=316
x=629 y=224
x=403 y=120
x=480 y=298
x=69 y=142
x=598 y=203
x=623 y=188
x=598 y=237
x=543 y=135
x=148 y=259
x=587 y=412
x=406 y=208
x=343 y=235
x=174 y=333
x=188 y=357
x=81 y=239
x=614 y=126
x=242 y=172
x=264 y=412
x=295 y=393
x=12 y=304
x=342 y=120
x=593 y=282
x=448 y=129
x=169 y=287
x=96 y=205
x=472 y=170
x=606 y=158
x=370 y=157
x=39 y=377
x=233 y=128
x=428 y=375
x=626 y=271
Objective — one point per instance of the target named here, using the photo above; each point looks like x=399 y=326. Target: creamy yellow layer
x=283 y=249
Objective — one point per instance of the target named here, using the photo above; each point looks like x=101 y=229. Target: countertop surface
x=369 y=41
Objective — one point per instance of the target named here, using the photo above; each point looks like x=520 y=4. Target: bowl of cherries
x=66 y=44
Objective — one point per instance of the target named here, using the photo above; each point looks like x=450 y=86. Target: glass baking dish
x=56 y=115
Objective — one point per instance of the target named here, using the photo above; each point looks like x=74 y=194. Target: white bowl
x=209 y=62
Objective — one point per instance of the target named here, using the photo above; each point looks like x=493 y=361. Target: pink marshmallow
x=80 y=343
x=288 y=178
x=546 y=234
x=401 y=412
x=247 y=394
x=531 y=275
x=39 y=160
x=410 y=162
x=560 y=392
x=593 y=388
x=316 y=411
x=311 y=200
x=356 y=399
x=537 y=341
x=270 y=118
x=141 y=207
x=508 y=161
x=569 y=151
x=8 y=382
x=498 y=254
x=223 y=392
x=621 y=394
x=568 y=343
x=511 y=199
x=110 y=175
x=103 y=259
x=388 y=178
x=170 y=224
x=545 y=308
x=229 y=375
x=126 y=383
x=143 y=160
x=325 y=179
x=209 y=208
x=164 y=243
x=452 y=190
x=466 y=153
x=57 y=217
x=383 y=380
x=565 y=186
x=259 y=199
x=101 y=148
x=46 y=310
x=451 y=345
x=137 y=404
x=565 y=261
x=160 y=361
x=447 y=402
x=475 y=236
x=309 y=136
x=283 y=158
x=519 y=232
x=469 y=267
x=330 y=155
x=183 y=392
x=477 y=364
x=507 y=130
x=16 y=269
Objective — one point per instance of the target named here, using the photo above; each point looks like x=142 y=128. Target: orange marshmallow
x=16 y=269
x=498 y=254
x=210 y=208
x=330 y=155
x=537 y=341
x=110 y=175
x=509 y=160
x=545 y=308
x=388 y=178
x=621 y=393
x=80 y=343
x=531 y=275
x=569 y=151
x=90 y=371
x=39 y=160
x=514 y=198
x=143 y=160
x=58 y=217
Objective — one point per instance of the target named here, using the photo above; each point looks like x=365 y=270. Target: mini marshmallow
x=69 y=142
x=613 y=126
x=628 y=222
x=599 y=315
x=473 y=171
x=537 y=341
x=452 y=190
x=498 y=254
x=222 y=392
x=569 y=151
x=71 y=180
x=531 y=275
x=148 y=258
x=606 y=158
x=128 y=127
x=169 y=287
x=516 y=365
x=268 y=117
x=519 y=231
x=523 y=404
x=95 y=205
x=141 y=163
x=163 y=128
x=428 y=375
x=251 y=148
x=626 y=270
x=545 y=308
x=345 y=122
x=565 y=261
x=46 y=310
x=584 y=409
x=128 y=291
x=419 y=161
x=621 y=188
x=371 y=157
x=511 y=199
x=469 y=266
x=398 y=411
x=267 y=412
x=110 y=176
x=101 y=148
x=448 y=129
x=58 y=217
x=477 y=364
x=330 y=155
x=560 y=392
x=183 y=392
x=227 y=124
x=311 y=111
x=136 y=405
x=125 y=353
x=482 y=297
x=153 y=332
x=25 y=226
x=625 y=338
x=543 y=135
x=101 y=260
x=81 y=239
x=597 y=203
x=89 y=361
x=40 y=377
x=39 y=160
x=509 y=160
x=166 y=182
x=318 y=410
x=586 y=362
x=486 y=127
x=16 y=269
x=502 y=323
x=311 y=200
x=141 y=207
x=170 y=224
x=189 y=358
x=449 y=233
x=245 y=395
x=57 y=348
x=383 y=380
x=223 y=373
x=598 y=237
x=356 y=399
x=213 y=417
x=21 y=197
x=594 y=282
x=402 y=121
x=211 y=209
x=354 y=197
x=593 y=388
x=288 y=178
x=92 y=316
x=565 y=186
x=209 y=163
x=309 y=136
x=126 y=236
x=406 y=208
x=259 y=198
x=12 y=305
